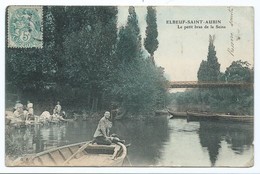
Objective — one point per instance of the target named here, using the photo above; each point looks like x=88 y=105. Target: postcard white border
x=254 y=3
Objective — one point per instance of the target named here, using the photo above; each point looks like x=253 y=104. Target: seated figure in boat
x=101 y=135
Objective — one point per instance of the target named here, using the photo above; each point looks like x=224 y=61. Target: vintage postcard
x=161 y=86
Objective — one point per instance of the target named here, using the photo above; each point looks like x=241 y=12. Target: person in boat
x=30 y=115
x=101 y=135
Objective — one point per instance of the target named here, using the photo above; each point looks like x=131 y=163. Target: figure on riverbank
x=18 y=113
x=30 y=115
x=18 y=106
x=57 y=109
x=45 y=116
x=101 y=135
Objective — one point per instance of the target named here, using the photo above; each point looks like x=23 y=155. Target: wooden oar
x=128 y=160
x=117 y=148
x=78 y=151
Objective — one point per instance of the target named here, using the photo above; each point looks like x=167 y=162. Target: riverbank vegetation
x=89 y=64
x=239 y=101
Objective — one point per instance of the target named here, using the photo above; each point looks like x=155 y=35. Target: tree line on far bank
x=220 y=100
x=88 y=63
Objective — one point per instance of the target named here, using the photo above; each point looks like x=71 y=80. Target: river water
x=155 y=142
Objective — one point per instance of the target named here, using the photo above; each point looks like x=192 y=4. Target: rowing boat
x=194 y=116
x=242 y=118
x=177 y=114
x=72 y=155
x=161 y=112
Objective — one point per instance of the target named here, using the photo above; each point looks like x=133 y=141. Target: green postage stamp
x=161 y=86
x=25 y=26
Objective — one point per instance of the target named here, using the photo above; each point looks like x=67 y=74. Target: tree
x=140 y=87
x=209 y=70
x=129 y=39
x=128 y=55
x=227 y=100
x=239 y=71
x=224 y=100
x=202 y=72
x=28 y=69
x=87 y=64
x=238 y=100
x=132 y=23
x=151 y=42
x=89 y=54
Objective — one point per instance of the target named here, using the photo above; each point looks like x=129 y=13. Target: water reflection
x=157 y=141
x=183 y=146
x=38 y=140
x=238 y=135
x=146 y=137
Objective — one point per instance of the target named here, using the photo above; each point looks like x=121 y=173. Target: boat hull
x=91 y=155
x=235 y=118
x=161 y=112
x=177 y=114
x=192 y=116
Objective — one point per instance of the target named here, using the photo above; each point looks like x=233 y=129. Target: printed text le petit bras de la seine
x=197 y=24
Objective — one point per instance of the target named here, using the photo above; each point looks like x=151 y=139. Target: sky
x=181 y=51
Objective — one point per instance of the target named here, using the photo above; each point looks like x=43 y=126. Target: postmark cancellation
x=25 y=26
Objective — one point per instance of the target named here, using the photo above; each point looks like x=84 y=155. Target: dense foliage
x=86 y=64
x=141 y=87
